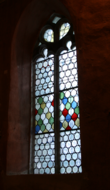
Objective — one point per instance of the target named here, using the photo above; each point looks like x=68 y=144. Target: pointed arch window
x=57 y=147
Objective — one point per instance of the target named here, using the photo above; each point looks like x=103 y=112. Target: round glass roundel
x=49 y=35
x=64 y=29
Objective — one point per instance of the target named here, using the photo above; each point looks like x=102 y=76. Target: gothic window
x=57 y=147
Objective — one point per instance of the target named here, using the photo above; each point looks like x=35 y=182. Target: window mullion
x=56 y=114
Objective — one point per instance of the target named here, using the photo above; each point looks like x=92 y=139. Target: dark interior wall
x=20 y=23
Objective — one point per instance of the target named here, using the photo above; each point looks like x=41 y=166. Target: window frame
x=55 y=48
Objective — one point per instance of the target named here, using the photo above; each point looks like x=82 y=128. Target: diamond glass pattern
x=44 y=114
x=44 y=154
x=70 y=112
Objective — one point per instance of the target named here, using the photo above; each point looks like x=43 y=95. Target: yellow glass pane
x=65 y=124
x=45 y=131
x=43 y=105
x=48 y=115
x=53 y=126
x=77 y=122
x=35 y=122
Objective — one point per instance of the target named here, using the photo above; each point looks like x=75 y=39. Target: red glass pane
x=36 y=112
x=52 y=103
x=74 y=116
x=68 y=128
x=65 y=112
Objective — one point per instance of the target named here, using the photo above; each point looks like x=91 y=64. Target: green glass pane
x=40 y=122
x=60 y=113
x=68 y=106
x=70 y=99
x=77 y=110
x=51 y=120
x=40 y=100
x=42 y=128
x=40 y=111
x=62 y=95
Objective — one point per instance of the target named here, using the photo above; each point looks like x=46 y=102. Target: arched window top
x=55 y=35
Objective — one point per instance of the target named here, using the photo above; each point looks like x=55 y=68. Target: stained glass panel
x=44 y=114
x=44 y=76
x=70 y=152
x=69 y=110
x=70 y=147
x=64 y=29
x=68 y=76
x=44 y=154
x=49 y=35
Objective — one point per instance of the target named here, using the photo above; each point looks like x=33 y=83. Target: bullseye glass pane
x=70 y=152
x=44 y=154
x=44 y=76
x=68 y=76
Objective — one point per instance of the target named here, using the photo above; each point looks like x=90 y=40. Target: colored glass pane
x=45 y=131
x=51 y=120
x=64 y=100
x=70 y=99
x=48 y=115
x=60 y=124
x=65 y=124
x=52 y=103
x=77 y=122
x=68 y=106
x=40 y=122
x=43 y=105
x=65 y=112
x=77 y=110
x=53 y=126
x=42 y=127
x=37 y=128
x=40 y=100
x=74 y=116
x=35 y=122
x=68 y=128
x=62 y=95
x=74 y=104
x=60 y=113
x=68 y=118
x=36 y=112
x=40 y=111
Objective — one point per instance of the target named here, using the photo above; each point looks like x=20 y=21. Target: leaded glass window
x=57 y=146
